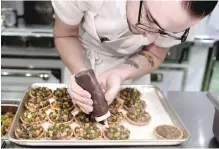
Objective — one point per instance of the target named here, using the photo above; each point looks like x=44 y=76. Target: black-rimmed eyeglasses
x=148 y=28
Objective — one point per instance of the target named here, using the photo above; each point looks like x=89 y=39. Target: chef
x=122 y=41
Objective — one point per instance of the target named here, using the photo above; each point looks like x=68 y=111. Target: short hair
x=199 y=9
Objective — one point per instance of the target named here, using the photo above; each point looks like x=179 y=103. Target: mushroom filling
x=88 y=131
x=59 y=131
x=82 y=117
x=41 y=92
x=33 y=117
x=114 y=106
x=135 y=103
x=130 y=93
x=168 y=132
x=60 y=116
x=61 y=92
x=37 y=103
x=6 y=121
x=117 y=133
x=62 y=103
x=138 y=115
x=29 y=131
x=115 y=118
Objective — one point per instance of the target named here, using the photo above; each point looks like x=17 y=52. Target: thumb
x=111 y=93
x=101 y=84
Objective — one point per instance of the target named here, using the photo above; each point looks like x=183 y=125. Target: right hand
x=80 y=96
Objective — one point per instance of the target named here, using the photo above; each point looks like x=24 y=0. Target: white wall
x=210 y=25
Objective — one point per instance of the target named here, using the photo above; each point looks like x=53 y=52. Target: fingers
x=81 y=99
x=84 y=107
x=79 y=96
x=111 y=83
x=76 y=88
x=112 y=93
x=75 y=92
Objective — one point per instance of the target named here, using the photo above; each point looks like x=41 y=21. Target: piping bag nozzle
x=88 y=81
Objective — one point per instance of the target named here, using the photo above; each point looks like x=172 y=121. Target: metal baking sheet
x=8 y=106
x=157 y=105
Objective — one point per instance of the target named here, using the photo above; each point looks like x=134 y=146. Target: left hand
x=111 y=82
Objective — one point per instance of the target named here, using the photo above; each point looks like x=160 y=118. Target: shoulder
x=83 y=5
x=71 y=12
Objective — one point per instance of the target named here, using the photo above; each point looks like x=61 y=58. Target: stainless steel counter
x=197 y=113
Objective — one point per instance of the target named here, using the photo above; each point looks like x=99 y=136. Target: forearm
x=68 y=45
x=142 y=63
x=71 y=53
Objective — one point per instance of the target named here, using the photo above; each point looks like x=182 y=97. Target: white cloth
x=104 y=18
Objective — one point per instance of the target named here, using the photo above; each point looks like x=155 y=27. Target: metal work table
x=196 y=112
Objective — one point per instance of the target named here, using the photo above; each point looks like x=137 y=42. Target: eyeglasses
x=148 y=28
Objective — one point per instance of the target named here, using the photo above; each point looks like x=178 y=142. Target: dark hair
x=199 y=8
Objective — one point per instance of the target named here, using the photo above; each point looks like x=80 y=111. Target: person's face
x=168 y=16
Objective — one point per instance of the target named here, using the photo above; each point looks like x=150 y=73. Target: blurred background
x=28 y=54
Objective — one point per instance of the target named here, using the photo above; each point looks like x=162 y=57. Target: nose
x=152 y=37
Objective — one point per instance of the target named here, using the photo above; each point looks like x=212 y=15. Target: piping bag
x=88 y=81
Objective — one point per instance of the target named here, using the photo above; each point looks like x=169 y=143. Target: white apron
x=101 y=56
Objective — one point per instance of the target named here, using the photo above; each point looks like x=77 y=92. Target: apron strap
x=94 y=58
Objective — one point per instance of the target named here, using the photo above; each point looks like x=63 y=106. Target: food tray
x=8 y=106
x=157 y=105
